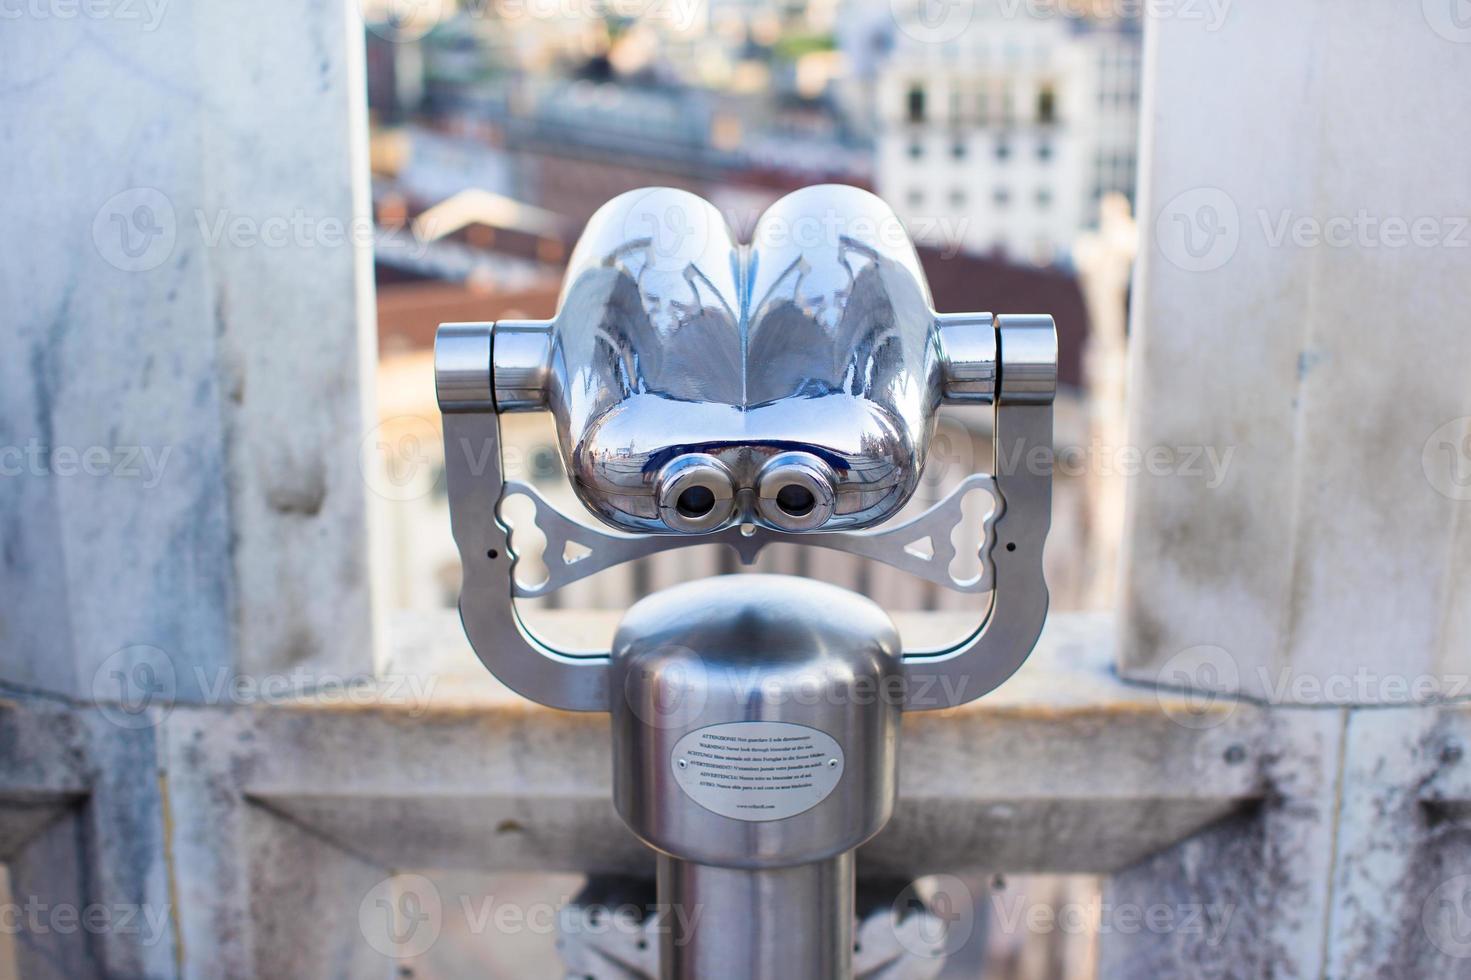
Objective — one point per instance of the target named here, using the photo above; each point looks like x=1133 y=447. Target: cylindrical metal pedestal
x=767 y=924
x=755 y=733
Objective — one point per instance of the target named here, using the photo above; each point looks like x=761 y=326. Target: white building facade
x=1004 y=133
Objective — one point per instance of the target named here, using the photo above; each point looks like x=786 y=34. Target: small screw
x=832 y=763
x=682 y=764
x=1235 y=755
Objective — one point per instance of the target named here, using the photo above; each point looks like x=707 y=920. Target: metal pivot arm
x=1022 y=466
x=474 y=477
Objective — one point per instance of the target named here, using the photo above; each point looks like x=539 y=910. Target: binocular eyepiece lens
x=796 y=500
x=795 y=492
x=695 y=493
x=695 y=502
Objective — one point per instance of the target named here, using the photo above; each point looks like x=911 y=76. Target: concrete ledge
x=1064 y=768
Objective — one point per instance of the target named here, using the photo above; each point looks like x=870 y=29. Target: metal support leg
x=755 y=730
x=769 y=924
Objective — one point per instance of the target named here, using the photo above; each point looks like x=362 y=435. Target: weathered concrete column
x=186 y=271
x=1301 y=304
x=1300 y=339
x=186 y=280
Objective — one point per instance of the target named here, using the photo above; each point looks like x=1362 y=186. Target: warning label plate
x=757 y=770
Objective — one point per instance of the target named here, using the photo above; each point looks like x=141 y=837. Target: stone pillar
x=1300 y=313
x=186 y=273
x=187 y=279
x=1301 y=373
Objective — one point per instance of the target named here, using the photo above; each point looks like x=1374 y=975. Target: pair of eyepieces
x=697 y=492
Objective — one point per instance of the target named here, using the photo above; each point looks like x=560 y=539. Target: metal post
x=769 y=924
x=755 y=736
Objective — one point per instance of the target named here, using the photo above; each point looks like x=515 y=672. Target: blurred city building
x=1006 y=135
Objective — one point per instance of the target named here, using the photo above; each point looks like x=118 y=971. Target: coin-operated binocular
x=745 y=394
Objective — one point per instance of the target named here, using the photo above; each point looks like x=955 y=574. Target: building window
x=916 y=149
x=1044 y=198
x=1044 y=151
x=957 y=149
x=1003 y=149
x=1002 y=197
x=957 y=198
x=916 y=198
x=1046 y=106
x=916 y=104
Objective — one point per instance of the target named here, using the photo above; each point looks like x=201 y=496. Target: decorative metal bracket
x=924 y=546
